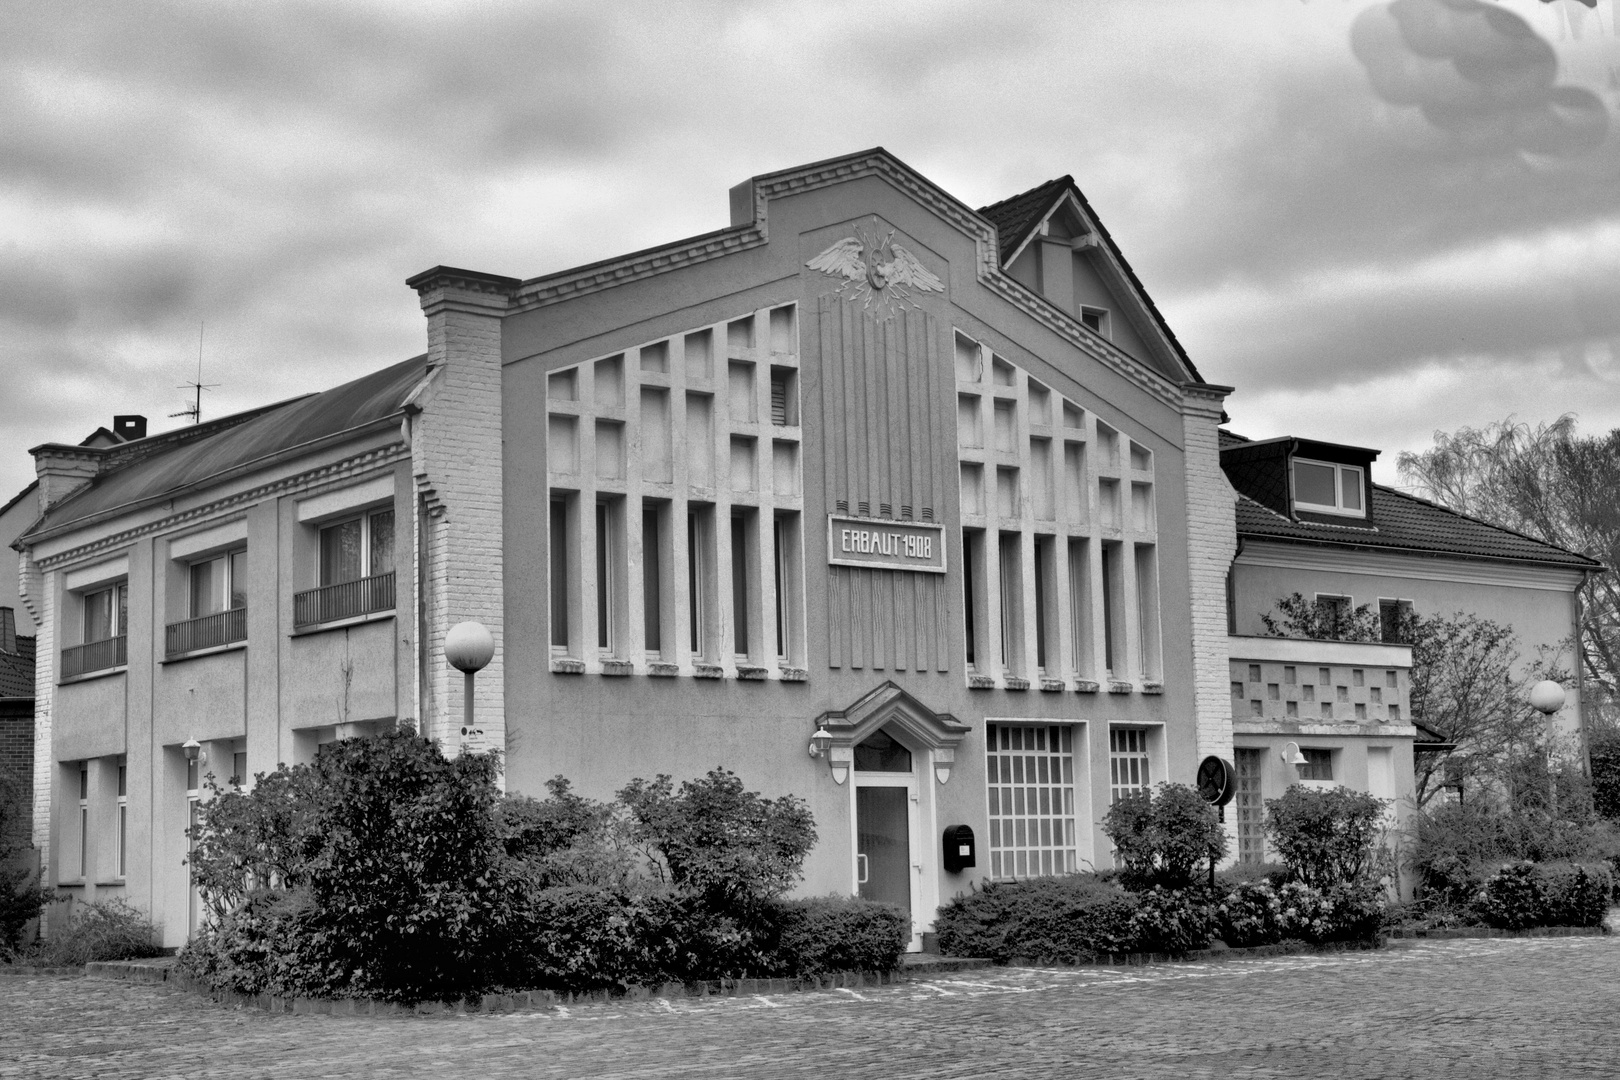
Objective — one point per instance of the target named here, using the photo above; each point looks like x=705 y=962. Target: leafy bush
x=1163 y=838
x=564 y=839
x=716 y=841
x=1524 y=895
x=823 y=934
x=1249 y=915
x=1067 y=919
x=1325 y=837
x=1322 y=620
x=104 y=930
x=1244 y=873
x=1452 y=848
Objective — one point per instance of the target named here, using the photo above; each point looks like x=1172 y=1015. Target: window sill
x=112 y=883
x=1153 y=688
x=212 y=650
x=1117 y=687
x=343 y=624
x=89 y=676
x=1051 y=685
x=1086 y=686
x=75 y=883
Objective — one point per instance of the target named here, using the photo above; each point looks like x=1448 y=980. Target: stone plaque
x=886 y=545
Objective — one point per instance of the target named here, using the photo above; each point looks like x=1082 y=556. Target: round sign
x=1216 y=781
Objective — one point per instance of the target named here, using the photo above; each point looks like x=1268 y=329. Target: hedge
x=1526 y=894
x=1068 y=919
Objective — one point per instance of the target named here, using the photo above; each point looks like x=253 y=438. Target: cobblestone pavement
x=1543 y=1008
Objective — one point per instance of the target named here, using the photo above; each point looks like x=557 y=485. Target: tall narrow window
x=1113 y=632
x=1012 y=596
x=739 y=584
x=239 y=773
x=1395 y=621
x=1250 y=810
x=123 y=819
x=970 y=590
x=699 y=579
x=785 y=550
x=609 y=574
x=652 y=550
x=559 y=576
x=84 y=819
x=1147 y=612
x=1043 y=606
x=1080 y=658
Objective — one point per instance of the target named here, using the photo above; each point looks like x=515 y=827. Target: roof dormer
x=1303 y=479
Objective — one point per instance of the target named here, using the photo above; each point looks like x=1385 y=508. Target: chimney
x=64 y=469
x=129 y=427
x=8 y=630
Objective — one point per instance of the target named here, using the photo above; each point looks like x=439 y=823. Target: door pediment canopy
x=889 y=705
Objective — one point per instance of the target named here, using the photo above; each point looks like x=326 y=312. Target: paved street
x=1543 y=1008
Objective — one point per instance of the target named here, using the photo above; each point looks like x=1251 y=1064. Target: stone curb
x=20 y=970
x=1285 y=948
x=147 y=972
x=1454 y=932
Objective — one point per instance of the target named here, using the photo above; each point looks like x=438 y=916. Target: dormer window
x=1328 y=488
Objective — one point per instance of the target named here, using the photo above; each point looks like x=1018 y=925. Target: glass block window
x=1031 y=790
x=1251 y=811
x=1127 y=762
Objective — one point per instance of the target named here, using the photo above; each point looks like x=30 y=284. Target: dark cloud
x=1480 y=72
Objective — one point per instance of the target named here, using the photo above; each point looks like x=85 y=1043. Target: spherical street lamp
x=1547 y=697
x=469 y=646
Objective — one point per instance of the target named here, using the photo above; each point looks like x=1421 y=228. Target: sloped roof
x=161 y=470
x=1015 y=217
x=17 y=670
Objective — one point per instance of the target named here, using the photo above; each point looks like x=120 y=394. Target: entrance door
x=883 y=844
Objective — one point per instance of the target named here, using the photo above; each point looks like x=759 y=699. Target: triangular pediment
x=889 y=706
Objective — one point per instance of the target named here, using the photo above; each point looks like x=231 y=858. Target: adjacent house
x=1311 y=521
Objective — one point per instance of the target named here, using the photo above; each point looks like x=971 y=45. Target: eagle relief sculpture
x=878 y=272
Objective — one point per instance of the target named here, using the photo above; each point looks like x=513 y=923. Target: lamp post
x=1547 y=697
x=469 y=646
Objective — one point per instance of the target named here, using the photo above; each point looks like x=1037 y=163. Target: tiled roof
x=17 y=670
x=1014 y=218
x=1406 y=523
x=193 y=460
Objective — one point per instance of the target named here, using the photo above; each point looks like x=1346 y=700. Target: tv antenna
x=196 y=385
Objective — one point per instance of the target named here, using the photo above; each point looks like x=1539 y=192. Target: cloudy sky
x=1373 y=219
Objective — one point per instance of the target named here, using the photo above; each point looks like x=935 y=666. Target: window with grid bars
x=1031 y=790
x=1127 y=762
x=1249 y=807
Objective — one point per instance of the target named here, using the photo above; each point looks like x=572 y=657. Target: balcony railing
x=345 y=601
x=95 y=656
x=205 y=632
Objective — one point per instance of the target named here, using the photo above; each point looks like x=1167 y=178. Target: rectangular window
x=1031 y=795
x=84 y=819
x=1394 y=620
x=784 y=406
x=1044 y=571
x=1113 y=587
x=1328 y=488
x=1147 y=612
x=699 y=579
x=105 y=613
x=1127 y=762
x=610 y=574
x=1012 y=596
x=123 y=819
x=360 y=547
x=561 y=580
x=652 y=557
x=217 y=584
x=972 y=589
x=1080 y=657
x=1250 y=809
x=741 y=597
x=239 y=773
x=785 y=560
x=1318 y=764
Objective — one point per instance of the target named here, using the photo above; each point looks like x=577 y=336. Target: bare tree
x=1552 y=484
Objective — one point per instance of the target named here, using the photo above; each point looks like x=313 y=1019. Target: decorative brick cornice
x=333 y=472
x=450 y=277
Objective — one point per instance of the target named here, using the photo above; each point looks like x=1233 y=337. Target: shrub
x=1163 y=838
x=715 y=841
x=1524 y=895
x=1250 y=915
x=104 y=930
x=822 y=934
x=1453 y=848
x=1350 y=911
x=564 y=839
x=1071 y=918
x=1325 y=838
x=1245 y=873
x=582 y=938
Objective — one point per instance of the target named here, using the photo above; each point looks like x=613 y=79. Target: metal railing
x=95 y=656
x=344 y=601
x=205 y=632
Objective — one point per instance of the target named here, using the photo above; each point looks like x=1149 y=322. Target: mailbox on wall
x=960 y=852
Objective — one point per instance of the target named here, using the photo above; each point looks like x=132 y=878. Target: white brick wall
x=456 y=456
x=38 y=590
x=1211 y=545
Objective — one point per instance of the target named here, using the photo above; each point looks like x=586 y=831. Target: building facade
x=938 y=484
